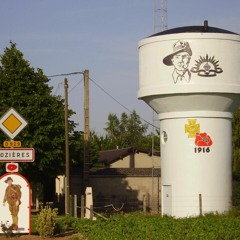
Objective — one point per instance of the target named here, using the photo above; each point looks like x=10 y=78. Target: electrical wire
x=65 y=74
x=57 y=89
x=121 y=103
x=113 y=98
x=70 y=90
x=109 y=95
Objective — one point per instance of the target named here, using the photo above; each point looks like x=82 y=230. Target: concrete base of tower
x=196 y=163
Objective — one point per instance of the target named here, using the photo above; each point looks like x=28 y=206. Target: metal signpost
x=17 y=213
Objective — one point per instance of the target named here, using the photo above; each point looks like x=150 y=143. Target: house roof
x=118 y=172
x=111 y=156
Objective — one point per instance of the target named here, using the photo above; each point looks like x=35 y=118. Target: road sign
x=12 y=167
x=12 y=123
x=14 y=144
x=17 y=154
x=19 y=218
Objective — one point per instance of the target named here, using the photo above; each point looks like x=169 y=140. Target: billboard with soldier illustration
x=15 y=207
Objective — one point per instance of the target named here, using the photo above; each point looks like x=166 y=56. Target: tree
x=27 y=91
x=113 y=128
x=96 y=145
x=236 y=145
x=76 y=148
x=152 y=141
x=126 y=131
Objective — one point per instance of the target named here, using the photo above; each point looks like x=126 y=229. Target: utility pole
x=67 y=187
x=86 y=159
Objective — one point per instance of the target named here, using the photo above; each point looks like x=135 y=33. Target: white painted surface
x=89 y=204
x=207 y=101
x=167 y=200
x=192 y=173
x=24 y=215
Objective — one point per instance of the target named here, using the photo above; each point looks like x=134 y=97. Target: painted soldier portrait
x=180 y=59
x=13 y=198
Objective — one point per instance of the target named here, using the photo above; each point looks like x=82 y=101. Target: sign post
x=17 y=155
x=12 y=123
x=14 y=188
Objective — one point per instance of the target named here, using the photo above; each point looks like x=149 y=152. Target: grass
x=140 y=226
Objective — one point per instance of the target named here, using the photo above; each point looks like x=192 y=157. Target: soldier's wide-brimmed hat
x=178 y=47
x=9 y=178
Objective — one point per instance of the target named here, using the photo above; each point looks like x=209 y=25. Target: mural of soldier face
x=181 y=61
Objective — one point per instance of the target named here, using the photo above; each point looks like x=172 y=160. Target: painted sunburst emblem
x=207 y=67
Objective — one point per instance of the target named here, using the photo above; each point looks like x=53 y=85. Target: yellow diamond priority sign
x=12 y=123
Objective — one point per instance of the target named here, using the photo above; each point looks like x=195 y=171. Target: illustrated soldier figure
x=12 y=197
x=180 y=59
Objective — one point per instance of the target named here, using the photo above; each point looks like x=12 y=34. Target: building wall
x=130 y=191
x=122 y=163
x=141 y=160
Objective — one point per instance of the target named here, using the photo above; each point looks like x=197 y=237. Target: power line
x=110 y=95
x=120 y=103
x=75 y=85
x=74 y=73
x=65 y=74
x=58 y=87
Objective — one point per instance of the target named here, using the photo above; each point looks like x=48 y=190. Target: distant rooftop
x=111 y=156
x=119 y=172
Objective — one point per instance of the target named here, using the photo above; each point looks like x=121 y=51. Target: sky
x=68 y=36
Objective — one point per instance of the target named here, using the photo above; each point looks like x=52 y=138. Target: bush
x=46 y=221
x=66 y=223
x=7 y=229
x=141 y=226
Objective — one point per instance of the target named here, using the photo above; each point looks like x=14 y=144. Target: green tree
x=126 y=131
x=96 y=144
x=27 y=91
x=76 y=148
x=236 y=145
x=152 y=140
x=113 y=129
x=76 y=145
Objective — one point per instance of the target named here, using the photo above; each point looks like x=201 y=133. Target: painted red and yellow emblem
x=202 y=140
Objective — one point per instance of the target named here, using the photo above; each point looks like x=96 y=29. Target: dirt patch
x=66 y=236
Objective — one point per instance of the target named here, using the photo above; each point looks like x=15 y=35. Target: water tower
x=191 y=77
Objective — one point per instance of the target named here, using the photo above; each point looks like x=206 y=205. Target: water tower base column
x=196 y=161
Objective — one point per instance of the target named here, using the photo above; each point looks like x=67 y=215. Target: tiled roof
x=137 y=172
x=110 y=156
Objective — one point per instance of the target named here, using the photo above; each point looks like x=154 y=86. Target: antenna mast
x=160 y=16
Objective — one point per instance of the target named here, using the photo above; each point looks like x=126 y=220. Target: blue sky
x=64 y=36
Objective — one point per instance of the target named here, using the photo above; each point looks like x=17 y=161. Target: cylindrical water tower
x=191 y=77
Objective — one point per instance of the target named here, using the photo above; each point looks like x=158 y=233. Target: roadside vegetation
x=141 y=226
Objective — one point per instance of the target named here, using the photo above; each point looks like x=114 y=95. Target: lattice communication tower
x=160 y=16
